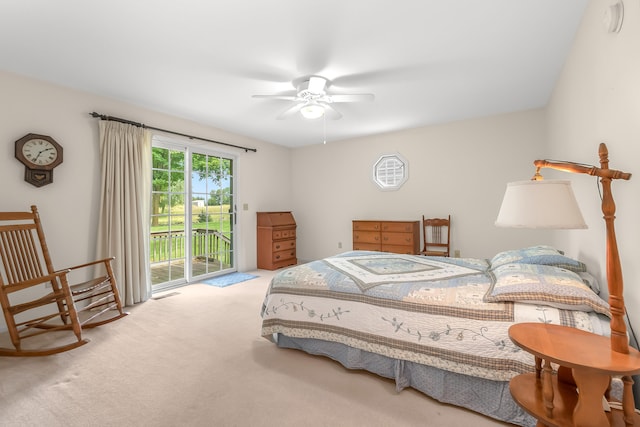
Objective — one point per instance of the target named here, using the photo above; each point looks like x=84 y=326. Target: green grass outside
x=219 y=220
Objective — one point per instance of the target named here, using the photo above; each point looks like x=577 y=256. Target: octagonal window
x=390 y=172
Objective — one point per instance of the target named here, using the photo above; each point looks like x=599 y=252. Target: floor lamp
x=552 y=204
x=586 y=362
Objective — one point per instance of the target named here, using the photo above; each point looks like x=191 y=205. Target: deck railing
x=211 y=244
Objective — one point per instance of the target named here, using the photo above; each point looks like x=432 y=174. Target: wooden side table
x=573 y=395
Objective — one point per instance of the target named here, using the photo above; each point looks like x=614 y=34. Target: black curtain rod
x=142 y=125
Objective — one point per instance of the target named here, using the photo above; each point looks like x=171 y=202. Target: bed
x=439 y=325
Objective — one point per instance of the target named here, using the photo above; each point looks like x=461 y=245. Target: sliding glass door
x=193 y=215
x=213 y=215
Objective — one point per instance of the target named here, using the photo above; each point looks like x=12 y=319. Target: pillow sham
x=541 y=254
x=590 y=281
x=544 y=285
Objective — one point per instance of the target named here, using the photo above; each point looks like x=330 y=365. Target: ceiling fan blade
x=355 y=97
x=317 y=84
x=245 y=69
x=404 y=73
x=331 y=113
x=290 y=111
x=280 y=97
x=314 y=47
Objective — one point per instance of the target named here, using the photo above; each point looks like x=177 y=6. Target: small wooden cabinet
x=402 y=237
x=276 y=240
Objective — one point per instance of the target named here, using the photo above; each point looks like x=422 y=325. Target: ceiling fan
x=312 y=99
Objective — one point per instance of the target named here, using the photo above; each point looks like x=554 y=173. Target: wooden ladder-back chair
x=437 y=235
x=26 y=263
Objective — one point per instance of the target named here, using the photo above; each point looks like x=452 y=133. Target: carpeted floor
x=196 y=358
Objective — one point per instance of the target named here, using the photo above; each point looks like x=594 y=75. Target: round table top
x=574 y=348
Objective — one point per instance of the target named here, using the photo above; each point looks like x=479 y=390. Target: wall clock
x=39 y=154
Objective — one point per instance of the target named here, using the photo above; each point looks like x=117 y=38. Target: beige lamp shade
x=540 y=204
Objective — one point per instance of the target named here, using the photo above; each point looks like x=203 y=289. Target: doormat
x=229 y=279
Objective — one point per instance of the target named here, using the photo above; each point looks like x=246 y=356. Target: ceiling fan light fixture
x=312 y=110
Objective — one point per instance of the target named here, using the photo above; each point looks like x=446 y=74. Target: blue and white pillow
x=544 y=285
x=545 y=255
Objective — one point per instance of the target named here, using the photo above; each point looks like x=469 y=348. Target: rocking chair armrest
x=88 y=264
x=13 y=287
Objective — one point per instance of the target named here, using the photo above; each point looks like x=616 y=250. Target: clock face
x=40 y=152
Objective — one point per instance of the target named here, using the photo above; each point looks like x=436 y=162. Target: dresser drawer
x=399 y=227
x=366 y=237
x=284 y=233
x=366 y=246
x=282 y=245
x=398 y=249
x=285 y=255
x=397 y=239
x=366 y=226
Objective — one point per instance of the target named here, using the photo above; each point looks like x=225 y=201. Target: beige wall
x=597 y=100
x=459 y=169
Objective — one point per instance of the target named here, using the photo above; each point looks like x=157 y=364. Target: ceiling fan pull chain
x=324 y=128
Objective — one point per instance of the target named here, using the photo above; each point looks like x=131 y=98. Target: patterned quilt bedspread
x=428 y=310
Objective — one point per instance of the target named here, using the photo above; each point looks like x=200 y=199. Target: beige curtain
x=124 y=207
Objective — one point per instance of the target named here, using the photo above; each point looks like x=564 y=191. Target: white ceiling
x=426 y=61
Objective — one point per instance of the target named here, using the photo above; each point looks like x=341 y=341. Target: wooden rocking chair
x=27 y=266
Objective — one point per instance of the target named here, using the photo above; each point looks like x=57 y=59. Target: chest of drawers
x=401 y=237
x=276 y=240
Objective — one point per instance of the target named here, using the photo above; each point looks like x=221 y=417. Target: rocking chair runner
x=27 y=271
